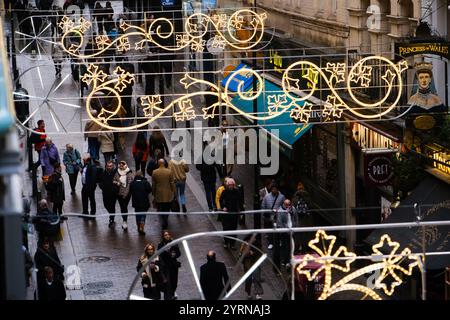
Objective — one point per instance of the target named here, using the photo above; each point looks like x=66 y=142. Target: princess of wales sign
x=440 y=48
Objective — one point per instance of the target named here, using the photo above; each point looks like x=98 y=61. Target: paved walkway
x=106 y=257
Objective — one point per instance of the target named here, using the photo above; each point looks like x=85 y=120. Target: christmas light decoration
x=323 y=246
x=196 y=26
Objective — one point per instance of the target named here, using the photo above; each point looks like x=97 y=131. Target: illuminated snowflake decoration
x=218 y=42
x=84 y=25
x=151 y=103
x=123 y=79
x=93 y=74
x=65 y=24
x=182 y=40
x=276 y=103
x=198 y=45
x=102 y=41
x=362 y=75
x=337 y=71
x=302 y=113
x=220 y=20
x=123 y=45
x=237 y=22
x=186 y=111
x=333 y=108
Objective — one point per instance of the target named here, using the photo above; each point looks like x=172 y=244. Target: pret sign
x=378 y=169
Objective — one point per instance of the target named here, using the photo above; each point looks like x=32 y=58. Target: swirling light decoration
x=298 y=106
x=196 y=26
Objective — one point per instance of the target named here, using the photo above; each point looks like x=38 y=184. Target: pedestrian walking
x=140 y=152
x=285 y=217
x=55 y=188
x=163 y=191
x=232 y=203
x=72 y=162
x=91 y=132
x=38 y=140
x=208 y=176
x=89 y=184
x=57 y=57
x=170 y=259
x=46 y=256
x=157 y=141
x=219 y=193
x=99 y=16
x=106 y=140
x=271 y=203
x=153 y=162
x=249 y=254
x=123 y=178
x=301 y=201
x=52 y=288
x=179 y=169
x=214 y=278
x=140 y=190
x=49 y=157
x=46 y=223
x=152 y=274
x=109 y=191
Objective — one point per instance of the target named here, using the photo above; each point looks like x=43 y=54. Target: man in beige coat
x=163 y=190
x=106 y=140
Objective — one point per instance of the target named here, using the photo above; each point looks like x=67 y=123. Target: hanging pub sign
x=378 y=170
x=439 y=48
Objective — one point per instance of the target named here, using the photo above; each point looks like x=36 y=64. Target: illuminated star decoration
x=73 y=48
x=301 y=113
x=93 y=74
x=187 y=80
x=402 y=65
x=102 y=41
x=218 y=42
x=65 y=24
x=276 y=102
x=151 y=103
x=182 y=40
x=186 y=111
x=292 y=83
x=331 y=107
x=124 y=78
x=392 y=264
x=123 y=44
x=363 y=75
x=84 y=25
x=337 y=71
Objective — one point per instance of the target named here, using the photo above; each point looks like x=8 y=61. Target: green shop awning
x=288 y=131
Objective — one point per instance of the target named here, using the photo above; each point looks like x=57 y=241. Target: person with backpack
x=49 y=157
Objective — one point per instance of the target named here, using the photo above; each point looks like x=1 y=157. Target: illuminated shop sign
x=410 y=49
x=441 y=155
x=366 y=138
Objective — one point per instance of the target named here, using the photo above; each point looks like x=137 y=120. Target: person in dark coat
x=213 y=278
x=232 y=203
x=169 y=258
x=149 y=67
x=153 y=162
x=55 y=188
x=46 y=223
x=140 y=190
x=89 y=182
x=157 y=141
x=46 y=256
x=52 y=288
x=208 y=177
x=109 y=191
x=152 y=273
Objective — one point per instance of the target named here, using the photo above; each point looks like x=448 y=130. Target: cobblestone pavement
x=106 y=257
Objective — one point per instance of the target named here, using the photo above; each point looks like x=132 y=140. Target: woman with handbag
x=169 y=258
x=72 y=162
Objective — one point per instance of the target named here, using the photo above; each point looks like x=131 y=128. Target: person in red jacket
x=140 y=152
x=38 y=140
